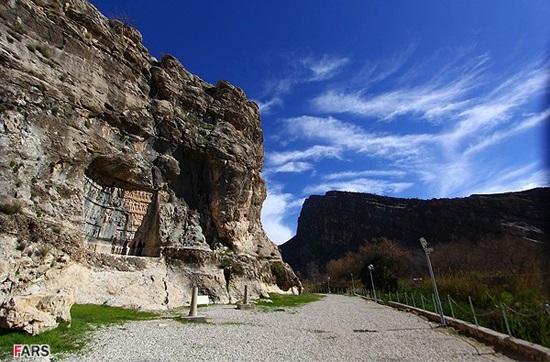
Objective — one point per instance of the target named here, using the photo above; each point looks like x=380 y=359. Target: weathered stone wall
x=128 y=156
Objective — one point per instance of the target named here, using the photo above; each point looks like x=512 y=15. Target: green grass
x=85 y=318
x=289 y=300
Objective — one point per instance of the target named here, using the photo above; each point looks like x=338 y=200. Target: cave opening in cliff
x=118 y=217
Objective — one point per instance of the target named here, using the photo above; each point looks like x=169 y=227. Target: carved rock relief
x=113 y=216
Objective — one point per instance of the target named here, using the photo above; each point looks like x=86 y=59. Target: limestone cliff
x=339 y=222
x=124 y=177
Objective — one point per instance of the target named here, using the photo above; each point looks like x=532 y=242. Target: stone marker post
x=194 y=296
x=245 y=304
x=245 y=301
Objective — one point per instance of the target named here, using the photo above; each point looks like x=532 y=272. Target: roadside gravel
x=337 y=328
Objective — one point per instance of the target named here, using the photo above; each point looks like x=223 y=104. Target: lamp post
x=352 y=284
x=328 y=284
x=427 y=250
x=371 y=268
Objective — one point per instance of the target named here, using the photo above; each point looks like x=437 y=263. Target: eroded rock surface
x=136 y=179
x=35 y=314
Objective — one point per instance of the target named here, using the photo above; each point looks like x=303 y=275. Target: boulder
x=37 y=313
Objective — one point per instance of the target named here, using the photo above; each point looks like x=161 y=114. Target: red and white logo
x=31 y=350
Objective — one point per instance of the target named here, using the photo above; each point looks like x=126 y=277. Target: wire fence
x=528 y=323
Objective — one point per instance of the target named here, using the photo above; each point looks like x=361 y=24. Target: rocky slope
x=339 y=222
x=123 y=177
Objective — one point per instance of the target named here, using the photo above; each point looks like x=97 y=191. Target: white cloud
x=293 y=167
x=377 y=71
x=359 y=185
x=429 y=101
x=325 y=67
x=452 y=94
x=313 y=153
x=356 y=174
x=500 y=106
x=341 y=136
x=268 y=106
x=470 y=117
x=461 y=108
x=277 y=205
x=515 y=129
x=443 y=94
x=510 y=179
x=301 y=71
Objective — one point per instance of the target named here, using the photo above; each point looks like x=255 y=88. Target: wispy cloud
x=470 y=115
x=357 y=174
x=299 y=71
x=323 y=68
x=502 y=106
x=313 y=153
x=361 y=181
x=440 y=97
x=377 y=71
x=513 y=179
x=340 y=135
x=293 y=167
x=267 y=107
x=367 y=185
x=508 y=132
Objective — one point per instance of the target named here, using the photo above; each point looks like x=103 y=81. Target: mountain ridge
x=339 y=222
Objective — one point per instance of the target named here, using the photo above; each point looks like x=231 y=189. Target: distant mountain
x=338 y=222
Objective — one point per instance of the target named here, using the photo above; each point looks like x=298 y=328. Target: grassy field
x=289 y=300
x=85 y=318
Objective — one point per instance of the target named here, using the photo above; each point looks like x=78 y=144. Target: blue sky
x=418 y=99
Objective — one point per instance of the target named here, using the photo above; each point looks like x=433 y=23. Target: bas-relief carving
x=113 y=216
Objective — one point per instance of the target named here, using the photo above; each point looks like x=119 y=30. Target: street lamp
x=427 y=250
x=371 y=268
x=328 y=284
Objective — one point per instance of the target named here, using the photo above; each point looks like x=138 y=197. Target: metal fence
x=529 y=324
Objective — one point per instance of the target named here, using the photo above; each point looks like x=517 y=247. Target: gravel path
x=337 y=328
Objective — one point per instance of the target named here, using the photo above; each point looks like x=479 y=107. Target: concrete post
x=245 y=300
x=194 y=297
x=245 y=304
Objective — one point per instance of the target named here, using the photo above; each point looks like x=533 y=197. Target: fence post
x=473 y=311
x=422 y=301
x=398 y=301
x=502 y=305
x=414 y=301
x=406 y=299
x=451 y=305
x=433 y=301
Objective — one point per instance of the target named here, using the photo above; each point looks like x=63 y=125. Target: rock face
x=339 y=222
x=37 y=313
x=124 y=177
